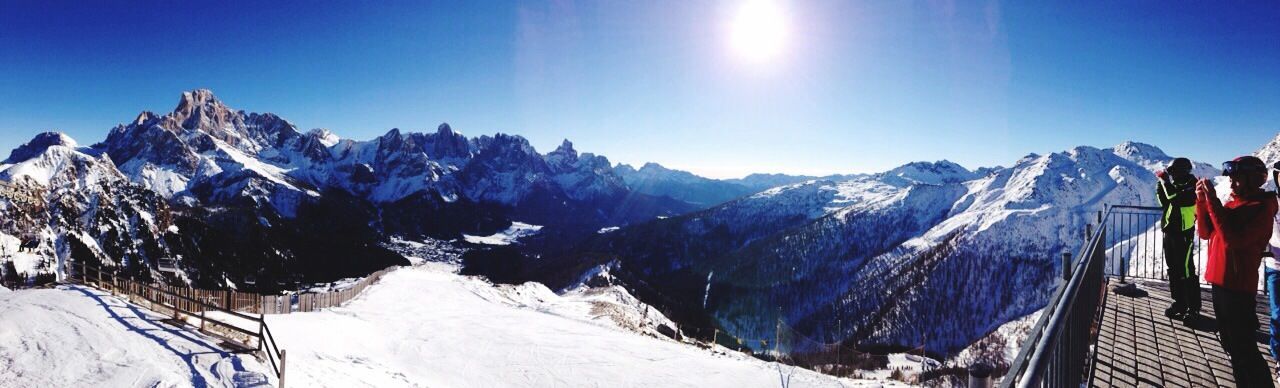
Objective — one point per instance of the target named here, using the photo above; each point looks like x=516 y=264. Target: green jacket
x=1178 y=201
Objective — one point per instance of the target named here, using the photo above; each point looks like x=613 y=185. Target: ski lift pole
x=924 y=349
x=777 y=336
x=839 y=340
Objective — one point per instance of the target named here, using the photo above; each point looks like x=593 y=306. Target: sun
x=758 y=30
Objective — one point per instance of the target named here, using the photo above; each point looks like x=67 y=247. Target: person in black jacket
x=1176 y=191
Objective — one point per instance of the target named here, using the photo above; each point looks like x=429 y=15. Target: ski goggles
x=1233 y=168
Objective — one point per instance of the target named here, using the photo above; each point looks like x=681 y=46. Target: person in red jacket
x=1238 y=232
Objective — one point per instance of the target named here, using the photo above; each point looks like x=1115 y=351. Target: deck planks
x=1138 y=346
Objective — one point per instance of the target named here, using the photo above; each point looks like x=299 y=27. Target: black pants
x=1184 y=280
x=1237 y=323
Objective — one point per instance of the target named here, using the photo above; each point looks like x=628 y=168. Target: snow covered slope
x=937 y=173
x=426 y=326
x=79 y=337
x=93 y=212
x=89 y=209
x=925 y=253
x=506 y=237
x=654 y=179
x=1270 y=152
x=760 y=182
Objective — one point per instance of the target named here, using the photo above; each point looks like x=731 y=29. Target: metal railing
x=1056 y=353
x=1128 y=244
x=1135 y=244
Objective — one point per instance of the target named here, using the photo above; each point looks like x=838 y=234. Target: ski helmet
x=1244 y=165
x=1179 y=165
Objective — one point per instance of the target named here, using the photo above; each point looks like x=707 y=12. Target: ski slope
x=428 y=327
x=74 y=336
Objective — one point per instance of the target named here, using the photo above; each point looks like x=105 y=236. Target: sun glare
x=758 y=30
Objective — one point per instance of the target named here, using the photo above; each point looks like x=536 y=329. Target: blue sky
x=855 y=87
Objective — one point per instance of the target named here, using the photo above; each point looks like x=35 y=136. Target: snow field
x=428 y=327
x=513 y=233
x=74 y=336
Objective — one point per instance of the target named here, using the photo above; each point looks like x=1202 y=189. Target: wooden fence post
x=282 y=364
x=262 y=322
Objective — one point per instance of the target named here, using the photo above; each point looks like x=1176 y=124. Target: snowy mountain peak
x=145 y=117
x=1153 y=158
x=39 y=144
x=198 y=108
x=1139 y=151
x=1270 y=153
x=445 y=130
x=566 y=147
x=654 y=167
x=324 y=136
x=939 y=172
x=196 y=99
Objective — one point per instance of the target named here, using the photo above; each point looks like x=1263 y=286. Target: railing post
x=980 y=375
x=1088 y=232
x=260 y=335
x=1124 y=262
x=1066 y=266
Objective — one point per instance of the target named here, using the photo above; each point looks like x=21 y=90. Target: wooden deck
x=1139 y=347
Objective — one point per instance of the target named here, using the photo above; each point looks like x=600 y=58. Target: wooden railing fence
x=315 y=301
x=184 y=304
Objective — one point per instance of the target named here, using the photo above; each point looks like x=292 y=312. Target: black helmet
x=1179 y=165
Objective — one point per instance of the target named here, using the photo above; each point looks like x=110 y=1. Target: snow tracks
x=76 y=336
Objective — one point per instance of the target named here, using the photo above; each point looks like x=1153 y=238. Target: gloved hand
x=1161 y=174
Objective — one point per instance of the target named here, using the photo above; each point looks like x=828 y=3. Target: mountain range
x=927 y=253
x=229 y=198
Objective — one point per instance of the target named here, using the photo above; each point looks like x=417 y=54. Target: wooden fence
x=268 y=304
x=186 y=304
x=315 y=301
x=223 y=299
